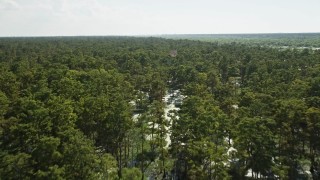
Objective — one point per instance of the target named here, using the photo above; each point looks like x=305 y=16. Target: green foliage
x=255 y=143
x=94 y=107
x=4 y=104
x=132 y=174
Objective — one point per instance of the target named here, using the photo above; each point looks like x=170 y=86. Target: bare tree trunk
x=120 y=162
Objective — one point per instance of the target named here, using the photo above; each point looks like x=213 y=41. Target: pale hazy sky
x=151 y=17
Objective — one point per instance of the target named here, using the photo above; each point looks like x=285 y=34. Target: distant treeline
x=271 y=39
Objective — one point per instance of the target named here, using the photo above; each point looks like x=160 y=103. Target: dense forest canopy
x=300 y=40
x=138 y=108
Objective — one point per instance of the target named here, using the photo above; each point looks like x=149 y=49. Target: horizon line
x=156 y=35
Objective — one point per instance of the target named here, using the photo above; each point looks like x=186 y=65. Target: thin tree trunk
x=142 y=168
x=120 y=162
